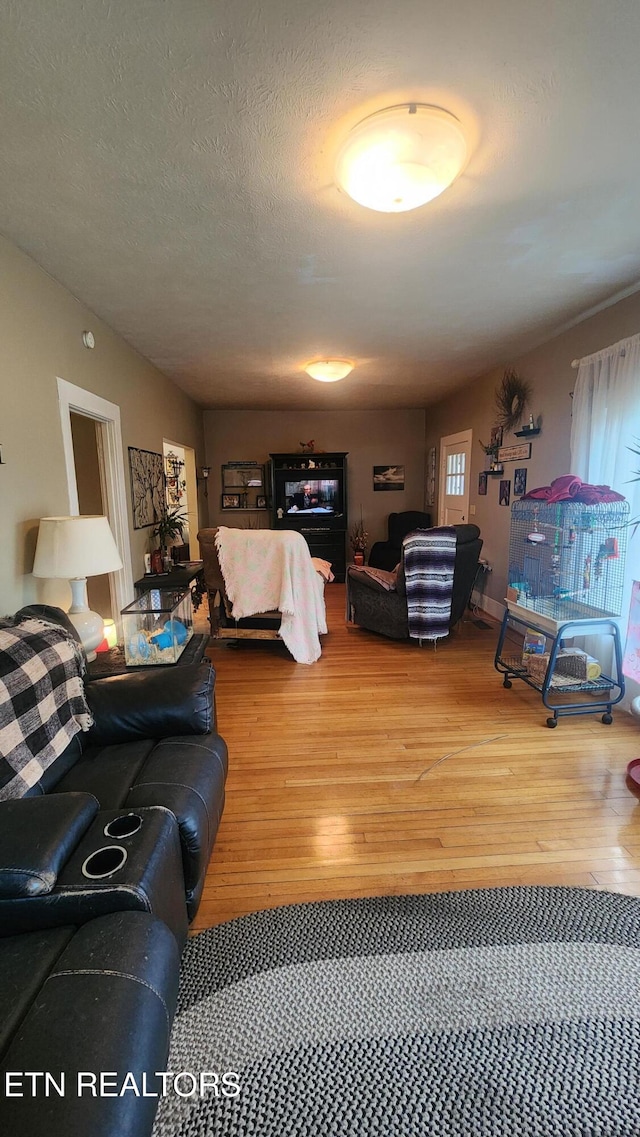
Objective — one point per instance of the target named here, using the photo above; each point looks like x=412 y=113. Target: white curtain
x=606 y=423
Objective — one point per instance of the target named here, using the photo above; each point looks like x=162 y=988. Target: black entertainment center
x=309 y=493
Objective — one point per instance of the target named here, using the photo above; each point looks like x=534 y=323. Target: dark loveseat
x=373 y=607
x=102 y=864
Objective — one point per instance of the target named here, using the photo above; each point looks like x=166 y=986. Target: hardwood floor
x=339 y=785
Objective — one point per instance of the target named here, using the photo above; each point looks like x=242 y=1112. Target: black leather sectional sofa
x=102 y=866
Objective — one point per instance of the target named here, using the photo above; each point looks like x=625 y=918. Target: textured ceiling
x=170 y=161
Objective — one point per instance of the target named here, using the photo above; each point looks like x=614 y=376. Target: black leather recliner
x=373 y=607
x=386 y=554
x=89 y=959
x=98 y=999
x=152 y=745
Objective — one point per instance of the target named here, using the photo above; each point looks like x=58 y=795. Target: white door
x=455 y=470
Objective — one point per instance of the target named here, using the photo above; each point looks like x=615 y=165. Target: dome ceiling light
x=402 y=157
x=329 y=370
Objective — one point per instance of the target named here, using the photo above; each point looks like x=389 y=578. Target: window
x=455 y=474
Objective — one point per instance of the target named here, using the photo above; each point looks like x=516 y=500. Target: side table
x=112 y=662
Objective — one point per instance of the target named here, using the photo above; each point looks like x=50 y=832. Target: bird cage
x=566 y=559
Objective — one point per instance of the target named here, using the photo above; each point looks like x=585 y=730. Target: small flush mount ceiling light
x=402 y=157
x=329 y=370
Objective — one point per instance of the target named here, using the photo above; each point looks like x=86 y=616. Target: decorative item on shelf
x=511 y=399
x=73 y=548
x=231 y=501
x=358 y=537
x=530 y=428
x=491 y=449
x=307 y=447
x=261 y=502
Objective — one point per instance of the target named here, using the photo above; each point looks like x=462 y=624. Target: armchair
x=386 y=554
x=372 y=606
x=270 y=588
x=265 y=626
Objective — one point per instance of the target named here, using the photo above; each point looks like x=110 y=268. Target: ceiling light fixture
x=402 y=157
x=329 y=370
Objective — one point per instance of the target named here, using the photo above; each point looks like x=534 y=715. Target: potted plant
x=358 y=537
x=491 y=450
x=170 y=526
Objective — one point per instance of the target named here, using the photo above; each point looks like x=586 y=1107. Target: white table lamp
x=73 y=548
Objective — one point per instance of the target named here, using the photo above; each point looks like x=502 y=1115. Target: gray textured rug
x=508 y=1012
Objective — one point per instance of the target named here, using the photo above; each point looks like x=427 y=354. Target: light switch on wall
x=472 y=510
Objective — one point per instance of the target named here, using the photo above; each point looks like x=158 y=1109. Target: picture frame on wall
x=482 y=483
x=520 y=481
x=505 y=492
x=261 y=502
x=388 y=477
x=147 y=487
x=515 y=453
x=231 y=501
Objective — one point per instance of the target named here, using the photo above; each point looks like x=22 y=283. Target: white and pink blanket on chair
x=265 y=571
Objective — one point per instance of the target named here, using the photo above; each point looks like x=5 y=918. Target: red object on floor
x=633 y=774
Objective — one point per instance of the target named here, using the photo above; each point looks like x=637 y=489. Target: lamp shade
x=75 y=547
x=402 y=157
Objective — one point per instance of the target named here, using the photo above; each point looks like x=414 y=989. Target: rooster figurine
x=307 y=447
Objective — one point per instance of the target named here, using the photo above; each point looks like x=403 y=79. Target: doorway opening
x=182 y=493
x=82 y=412
x=87 y=461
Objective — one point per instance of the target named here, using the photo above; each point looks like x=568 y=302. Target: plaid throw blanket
x=42 y=702
x=429 y=558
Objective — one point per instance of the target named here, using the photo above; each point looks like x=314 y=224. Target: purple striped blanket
x=429 y=559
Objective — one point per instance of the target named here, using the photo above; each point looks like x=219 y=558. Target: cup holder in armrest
x=124 y=826
x=104 y=862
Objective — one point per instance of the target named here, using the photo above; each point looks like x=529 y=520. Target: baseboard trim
x=486 y=604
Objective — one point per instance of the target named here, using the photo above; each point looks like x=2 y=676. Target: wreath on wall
x=512 y=396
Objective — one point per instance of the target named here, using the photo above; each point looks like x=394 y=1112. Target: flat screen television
x=312 y=496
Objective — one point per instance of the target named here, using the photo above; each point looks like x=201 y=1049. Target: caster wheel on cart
x=507 y=683
x=551 y=723
x=607 y=719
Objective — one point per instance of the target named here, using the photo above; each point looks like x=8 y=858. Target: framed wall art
x=388 y=477
x=482 y=483
x=147 y=487
x=505 y=492
x=517 y=453
x=231 y=501
x=520 y=481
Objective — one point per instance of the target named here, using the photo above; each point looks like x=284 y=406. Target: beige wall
x=41 y=327
x=548 y=369
x=370 y=437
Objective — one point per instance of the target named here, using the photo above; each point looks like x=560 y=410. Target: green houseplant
x=170 y=526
